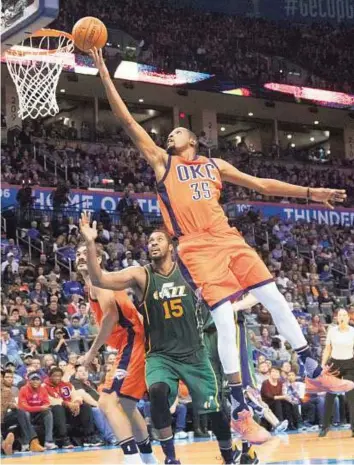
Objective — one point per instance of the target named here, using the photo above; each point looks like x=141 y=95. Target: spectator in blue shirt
x=15 y=249
x=9 y=348
x=73 y=287
x=76 y=330
x=33 y=232
x=39 y=296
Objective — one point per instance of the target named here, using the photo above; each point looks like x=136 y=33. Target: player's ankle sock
x=168 y=447
x=312 y=367
x=238 y=402
x=145 y=450
x=227 y=454
x=245 y=447
x=130 y=451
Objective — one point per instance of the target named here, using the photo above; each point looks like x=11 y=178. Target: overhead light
x=153 y=131
x=316 y=122
x=238 y=139
x=289 y=136
x=328 y=152
x=250 y=114
x=62 y=91
x=293 y=145
x=222 y=129
x=141 y=100
x=326 y=133
x=312 y=139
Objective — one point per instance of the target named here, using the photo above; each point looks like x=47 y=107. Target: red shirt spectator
x=62 y=390
x=33 y=399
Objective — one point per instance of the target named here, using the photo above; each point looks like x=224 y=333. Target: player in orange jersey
x=121 y=327
x=214 y=256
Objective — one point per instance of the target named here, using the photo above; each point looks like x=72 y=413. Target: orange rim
x=14 y=52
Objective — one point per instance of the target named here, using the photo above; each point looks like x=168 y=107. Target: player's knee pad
x=160 y=409
x=220 y=426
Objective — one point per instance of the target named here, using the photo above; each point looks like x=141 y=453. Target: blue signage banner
x=80 y=199
x=297 y=11
x=295 y=212
x=97 y=200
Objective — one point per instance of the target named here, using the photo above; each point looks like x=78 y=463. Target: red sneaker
x=326 y=382
x=248 y=429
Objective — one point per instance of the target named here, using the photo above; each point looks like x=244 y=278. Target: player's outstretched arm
x=116 y=281
x=153 y=154
x=277 y=188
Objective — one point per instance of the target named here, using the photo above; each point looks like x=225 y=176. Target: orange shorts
x=221 y=264
x=127 y=375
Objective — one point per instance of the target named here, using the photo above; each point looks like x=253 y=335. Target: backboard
x=20 y=18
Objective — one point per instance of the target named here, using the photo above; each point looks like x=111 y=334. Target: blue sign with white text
x=97 y=200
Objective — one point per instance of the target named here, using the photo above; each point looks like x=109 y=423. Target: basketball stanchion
x=35 y=66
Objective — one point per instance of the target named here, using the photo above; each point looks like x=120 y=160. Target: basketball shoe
x=248 y=429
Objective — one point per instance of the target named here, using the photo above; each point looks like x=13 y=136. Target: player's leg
x=201 y=381
x=287 y=325
x=121 y=426
x=162 y=383
x=139 y=429
x=208 y=257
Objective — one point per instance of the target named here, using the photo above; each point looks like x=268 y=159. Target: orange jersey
x=128 y=320
x=189 y=196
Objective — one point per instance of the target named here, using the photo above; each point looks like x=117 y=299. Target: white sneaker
x=25 y=448
x=181 y=435
x=50 y=446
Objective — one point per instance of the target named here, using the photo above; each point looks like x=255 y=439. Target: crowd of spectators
x=234 y=46
x=119 y=165
x=47 y=324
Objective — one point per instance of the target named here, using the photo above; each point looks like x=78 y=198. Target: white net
x=35 y=69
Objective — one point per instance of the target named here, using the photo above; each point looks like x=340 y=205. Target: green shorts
x=196 y=372
x=211 y=345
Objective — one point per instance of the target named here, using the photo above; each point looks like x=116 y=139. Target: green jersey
x=169 y=309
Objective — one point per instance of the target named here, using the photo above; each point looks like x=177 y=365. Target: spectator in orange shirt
x=34 y=401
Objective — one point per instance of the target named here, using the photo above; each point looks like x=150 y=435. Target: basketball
x=89 y=32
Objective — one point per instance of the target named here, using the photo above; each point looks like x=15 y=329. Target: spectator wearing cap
x=59 y=326
x=9 y=269
x=27 y=360
x=17 y=379
x=73 y=287
x=12 y=417
x=67 y=406
x=59 y=345
x=129 y=260
x=34 y=401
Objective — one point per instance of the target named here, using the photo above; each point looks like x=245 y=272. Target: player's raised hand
x=328 y=196
x=89 y=233
x=100 y=64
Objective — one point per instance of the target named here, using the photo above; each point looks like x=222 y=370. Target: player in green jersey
x=174 y=347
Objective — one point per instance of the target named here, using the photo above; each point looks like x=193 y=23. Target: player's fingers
x=94 y=225
x=100 y=54
x=329 y=205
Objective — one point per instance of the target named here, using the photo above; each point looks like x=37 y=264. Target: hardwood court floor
x=305 y=448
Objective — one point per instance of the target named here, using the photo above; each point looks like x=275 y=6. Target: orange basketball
x=89 y=32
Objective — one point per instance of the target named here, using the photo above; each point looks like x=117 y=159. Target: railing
x=3 y=224
x=23 y=238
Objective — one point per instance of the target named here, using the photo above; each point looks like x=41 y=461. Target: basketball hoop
x=35 y=69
